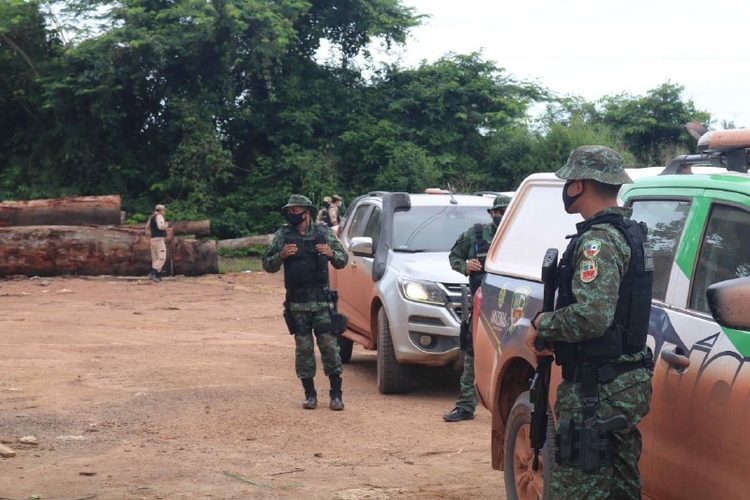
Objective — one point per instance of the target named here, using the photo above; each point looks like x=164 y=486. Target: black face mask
x=294 y=219
x=569 y=200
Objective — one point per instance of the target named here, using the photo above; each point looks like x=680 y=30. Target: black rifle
x=539 y=391
x=339 y=322
x=466 y=342
x=481 y=247
x=291 y=324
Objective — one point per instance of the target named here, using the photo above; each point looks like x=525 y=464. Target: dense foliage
x=222 y=108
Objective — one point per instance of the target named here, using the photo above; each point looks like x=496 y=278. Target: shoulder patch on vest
x=588 y=271
x=591 y=248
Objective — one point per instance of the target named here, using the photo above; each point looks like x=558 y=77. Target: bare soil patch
x=186 y=390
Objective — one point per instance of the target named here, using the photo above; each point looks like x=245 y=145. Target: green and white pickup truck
x=696 y=442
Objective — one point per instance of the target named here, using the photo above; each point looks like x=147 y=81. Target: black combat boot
x=154 y=275
x=311 y=395
x=336 y=403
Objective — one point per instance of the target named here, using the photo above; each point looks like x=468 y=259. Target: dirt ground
x=114 y=388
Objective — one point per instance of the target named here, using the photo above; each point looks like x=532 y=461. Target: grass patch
x=239 y=264
x=237 y=260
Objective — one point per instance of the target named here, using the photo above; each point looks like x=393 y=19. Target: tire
x=346 y=346
x=393 y=377
x=521 y=482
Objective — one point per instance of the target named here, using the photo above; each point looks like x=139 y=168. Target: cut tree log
x=194 y=227
x=177 y=228
x=97 y=250
x=192 y=257
x=262 y=240
x=71 y=211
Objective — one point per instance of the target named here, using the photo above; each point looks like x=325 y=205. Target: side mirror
x=729 y=302
x=361 y=246
x=391 y=203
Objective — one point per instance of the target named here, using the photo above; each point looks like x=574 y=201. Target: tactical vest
x=481 y=247
x=628 y=331
x=155 y=231
x=307 y=268
x=324 y=216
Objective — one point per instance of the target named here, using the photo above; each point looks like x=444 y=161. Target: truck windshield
x=434 y=228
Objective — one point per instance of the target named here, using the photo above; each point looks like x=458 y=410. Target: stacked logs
x=83 y=236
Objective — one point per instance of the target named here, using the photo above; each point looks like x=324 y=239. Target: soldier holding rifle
x=598 y=334
x=467 y=257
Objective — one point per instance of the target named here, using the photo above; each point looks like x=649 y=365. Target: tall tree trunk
x=97 y=250
x=72 y=211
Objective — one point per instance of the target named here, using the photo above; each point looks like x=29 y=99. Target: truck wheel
x=393 y=377
x=521 y=482
x=345 y=349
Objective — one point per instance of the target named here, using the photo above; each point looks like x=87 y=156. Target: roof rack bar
x=733 y=161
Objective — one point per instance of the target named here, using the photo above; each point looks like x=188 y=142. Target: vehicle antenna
x=450 y=191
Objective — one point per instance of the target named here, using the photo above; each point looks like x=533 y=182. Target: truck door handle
x=676 y=358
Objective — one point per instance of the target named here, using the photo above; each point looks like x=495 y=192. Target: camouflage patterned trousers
x=319 y=322
x=628 y=394
x=467 y=395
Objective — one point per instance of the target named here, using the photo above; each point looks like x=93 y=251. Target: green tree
x=194 y=101
x=27 y=50
x=652 y=126
x=449 y=110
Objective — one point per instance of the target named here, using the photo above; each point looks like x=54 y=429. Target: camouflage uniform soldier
x=598 y=334
x=305 y=249
x=467 y=257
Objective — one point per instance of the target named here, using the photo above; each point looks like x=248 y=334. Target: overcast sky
x=593 y=48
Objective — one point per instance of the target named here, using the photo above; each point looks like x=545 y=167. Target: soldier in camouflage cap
x=598 y=334
x=467 y=257
x=297 y=200
x=305 y=249
x=599 y=163
x=599 y=168
x=500 y=204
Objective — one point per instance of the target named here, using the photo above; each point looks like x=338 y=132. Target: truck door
x=354 y=282
x=702 y=379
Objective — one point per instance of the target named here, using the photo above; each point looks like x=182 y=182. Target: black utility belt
x=603 y=373
x=308 y=295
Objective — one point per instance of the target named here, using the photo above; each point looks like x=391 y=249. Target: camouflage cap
x=297 y=200
x=159 y=208
x=337 y=198
x=501 y=202
x=599 y=163
x=327 y=199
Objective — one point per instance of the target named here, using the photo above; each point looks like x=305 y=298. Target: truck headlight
x=423 y=291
